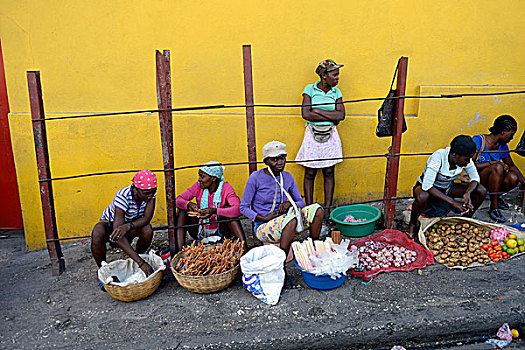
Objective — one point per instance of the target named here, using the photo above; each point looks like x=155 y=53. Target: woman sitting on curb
x=497 y=170
x=435 y=189
x=128 y=216
x=216 y=200
x=265 y=202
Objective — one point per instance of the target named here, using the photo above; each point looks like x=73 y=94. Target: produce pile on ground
x=203 y=260
x=503 y=245
x=374 y=255
x=458 y=244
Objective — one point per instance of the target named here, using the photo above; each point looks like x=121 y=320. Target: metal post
x=392 y=166
x=250 y=113
x=166 y=135
x=44 y=173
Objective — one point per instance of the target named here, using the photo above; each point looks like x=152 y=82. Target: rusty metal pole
x=392 y=166
x=250 y=112
x=44 y=173
x=166 y=135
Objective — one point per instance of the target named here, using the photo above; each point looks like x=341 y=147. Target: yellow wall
x=97 y=56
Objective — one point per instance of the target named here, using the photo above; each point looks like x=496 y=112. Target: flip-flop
x=101 y=285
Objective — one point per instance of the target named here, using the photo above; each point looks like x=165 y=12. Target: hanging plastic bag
x=385 y=114
x=263 y=273
x=520 y=148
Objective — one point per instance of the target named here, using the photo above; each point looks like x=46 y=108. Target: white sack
x=263 y=272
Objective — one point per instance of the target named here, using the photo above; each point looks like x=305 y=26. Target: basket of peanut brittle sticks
x=208 y=268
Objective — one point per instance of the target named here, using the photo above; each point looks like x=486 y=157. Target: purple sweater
x=260 y=191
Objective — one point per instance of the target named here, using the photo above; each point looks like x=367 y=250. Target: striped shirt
x=124 y=200
x=438 y=173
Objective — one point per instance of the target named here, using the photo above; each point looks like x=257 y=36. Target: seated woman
x=497 y=171
x=436 y=189
x=216 y=200
x=266 y=204
x=128 y=216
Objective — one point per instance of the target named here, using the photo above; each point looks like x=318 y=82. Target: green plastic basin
x=358 y=211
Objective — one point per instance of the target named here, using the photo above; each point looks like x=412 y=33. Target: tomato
x=494 y=242
x=497 y=247
x=485 y=246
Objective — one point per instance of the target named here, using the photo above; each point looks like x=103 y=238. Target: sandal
x=101 y=285
x=497 y=216
x=502 y=205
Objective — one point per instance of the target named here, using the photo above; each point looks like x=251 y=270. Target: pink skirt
x=312 y=150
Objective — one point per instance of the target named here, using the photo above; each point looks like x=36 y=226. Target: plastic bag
x=336 y=262
x=127 y=271
x=263 y=273
x=520 y=148
x=424 y=256
x=505 y=337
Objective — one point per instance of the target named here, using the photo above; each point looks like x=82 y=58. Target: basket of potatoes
x=456 y=242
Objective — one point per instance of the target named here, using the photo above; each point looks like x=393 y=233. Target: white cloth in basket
x=128 y=272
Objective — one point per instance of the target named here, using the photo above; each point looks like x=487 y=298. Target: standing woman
x=321 y=139
x=497 y=170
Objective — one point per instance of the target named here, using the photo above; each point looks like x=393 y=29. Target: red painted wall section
x=10 y=210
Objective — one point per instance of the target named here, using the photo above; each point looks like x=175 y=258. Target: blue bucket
x=321 y=282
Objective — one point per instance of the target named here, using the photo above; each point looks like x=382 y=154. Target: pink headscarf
x=145 y=180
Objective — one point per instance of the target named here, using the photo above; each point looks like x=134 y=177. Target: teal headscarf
x=216 y=169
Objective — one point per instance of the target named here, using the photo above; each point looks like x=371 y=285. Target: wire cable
x=209 y=107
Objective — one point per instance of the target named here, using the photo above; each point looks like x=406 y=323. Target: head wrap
x=463 y=145
x=213 y=168
x=327 y=66
x=145 y=180
x=502 y=123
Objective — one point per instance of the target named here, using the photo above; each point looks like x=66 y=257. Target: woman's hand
x=270 y=216
x=206 y=213
x=461 y=207
x=192 y=207
x=283 y=207
x=146 y=268
x=467 y=203
x=119 y=232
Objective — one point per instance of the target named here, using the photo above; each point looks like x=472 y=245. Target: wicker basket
x=203 y=284
x=135 y=291
x=138 y=290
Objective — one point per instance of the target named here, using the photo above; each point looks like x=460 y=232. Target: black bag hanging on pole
x=385 y=114
x=520 y=148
